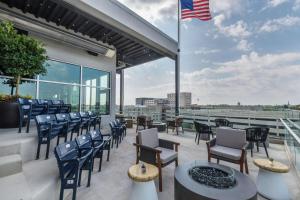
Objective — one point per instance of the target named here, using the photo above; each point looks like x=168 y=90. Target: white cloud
x=205 y=51
x=279 y=23
x=227 y=7
x=251 y=79
x=237 y=30
x=296 y=5
x=244 y=45
x=275 y=3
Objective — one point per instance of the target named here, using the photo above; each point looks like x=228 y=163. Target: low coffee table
x=270 y=183
x=143 y=184
x=187 y=188
x=161 y=127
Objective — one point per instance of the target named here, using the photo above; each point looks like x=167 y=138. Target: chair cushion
x=167 y=155
x=149 y=137
x=229 y=137
x=231 y=153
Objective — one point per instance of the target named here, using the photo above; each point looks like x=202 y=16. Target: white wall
x=66 y=53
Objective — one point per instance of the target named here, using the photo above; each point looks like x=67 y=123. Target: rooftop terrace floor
x=113 y=183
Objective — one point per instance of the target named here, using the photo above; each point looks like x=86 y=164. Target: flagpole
x=177 y=65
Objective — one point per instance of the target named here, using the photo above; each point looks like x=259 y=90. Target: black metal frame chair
x=53 y=107
x=64 y=108
x=202 y=129
x=141 y=121
x=256 y=135
x=67 y=156
x=116 y=133
x=97 y=144
x=48 y=128
x=72 y=125
x=93 y=119
x=223 y=122
x=28 y=110
x=122 y=125
x=85 y=148
x=106 y=138
x=85 y=121
x=175 y=124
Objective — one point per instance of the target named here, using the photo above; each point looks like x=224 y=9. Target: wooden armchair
x=229 y=145
x=175 y=124
x=155 y=151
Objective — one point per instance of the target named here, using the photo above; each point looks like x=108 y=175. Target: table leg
x=271 y=185
x=143 y=191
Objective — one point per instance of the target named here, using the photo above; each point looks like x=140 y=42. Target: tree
x=20 y=55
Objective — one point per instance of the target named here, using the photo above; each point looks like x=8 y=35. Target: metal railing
x=292 y=142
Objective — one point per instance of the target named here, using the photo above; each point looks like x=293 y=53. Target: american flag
x=195 y=9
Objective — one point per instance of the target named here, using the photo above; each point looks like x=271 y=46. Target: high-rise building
x=185 y=99
x=141 y=100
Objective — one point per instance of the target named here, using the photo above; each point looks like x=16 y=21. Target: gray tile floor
x=113 y=183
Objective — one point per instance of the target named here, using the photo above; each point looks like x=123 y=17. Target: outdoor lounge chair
x=47 y=128
x=203 y=131
x=175 y=124
x=152 y=150
x=229 y=145
x=257 y=135
x=96 y=135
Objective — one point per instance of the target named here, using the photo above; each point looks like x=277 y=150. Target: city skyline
x=248 y=52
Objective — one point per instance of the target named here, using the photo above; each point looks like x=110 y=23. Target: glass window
x=26 y=88
x=95 y=99
x=62 y=72
x=94 y=77
x=68 y=93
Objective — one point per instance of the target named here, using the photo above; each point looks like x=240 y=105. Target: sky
x=248 y=53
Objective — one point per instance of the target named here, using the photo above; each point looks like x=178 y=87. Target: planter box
x=9 y=115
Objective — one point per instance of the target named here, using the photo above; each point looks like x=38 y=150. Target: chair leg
x=176 y=162
x=38 y=151
x=74 y=193
x=266 y=149
x=79 y=179
x=61 y=194
x=100 y=162
x=242 y=166
x=196 y=137
x=108 y=152
x=257 y=146
x=89 y=176
x=57 y=140
x=251 y=149
x=177 y=130
x=48 y=147
x=28 y=124
x=160 y=179
x=246 y=166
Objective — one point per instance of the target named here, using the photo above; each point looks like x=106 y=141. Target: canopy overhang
x=98 y=24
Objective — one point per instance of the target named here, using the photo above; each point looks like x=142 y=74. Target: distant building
x=185 y=99
x=149 y=102
x=162 y=102
x=141 y=101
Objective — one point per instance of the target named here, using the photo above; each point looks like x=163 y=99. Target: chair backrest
x=24 y=105
x=43 y=101
x=255 y=134
x=201 y=128
x=95 y=134
x=40 y=119
x=84 y=115
x=179 y=121
x=141 y=120
x=148 y=137
x=57 y=102
x=66 y=154
x=228 y=137
x=222 y=122
x=62 y=117
x=74 y=116
x=84 y=141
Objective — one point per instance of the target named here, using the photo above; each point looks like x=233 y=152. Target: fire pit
x=202 y=180
x=213 y=177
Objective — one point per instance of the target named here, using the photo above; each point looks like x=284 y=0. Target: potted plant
x=20 y=56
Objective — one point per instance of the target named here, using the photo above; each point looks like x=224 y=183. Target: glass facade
x=82 y=87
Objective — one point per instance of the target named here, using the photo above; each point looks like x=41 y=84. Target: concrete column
x=177 y=85
x=121 y=90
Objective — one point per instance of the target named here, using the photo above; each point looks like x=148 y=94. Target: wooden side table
x=143 y=184
x=270 y=183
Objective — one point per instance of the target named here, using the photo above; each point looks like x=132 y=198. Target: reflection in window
x=27 y=88
x=62 y=72
x=95 y=78
x=95 y=99
x=104 y=101
x=68 y=93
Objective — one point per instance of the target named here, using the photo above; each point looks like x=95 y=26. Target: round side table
x=143 y=184
x=270 y=183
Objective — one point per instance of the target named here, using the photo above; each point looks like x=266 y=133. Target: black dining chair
x=73 y=126
x=223 y=122
x=257 y=135
x=106 y=138
x=202 y=130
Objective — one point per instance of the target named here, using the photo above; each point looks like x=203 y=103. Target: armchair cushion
x=167 y=155
x=228 y=137
x=149 y=137
x=226 y=152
